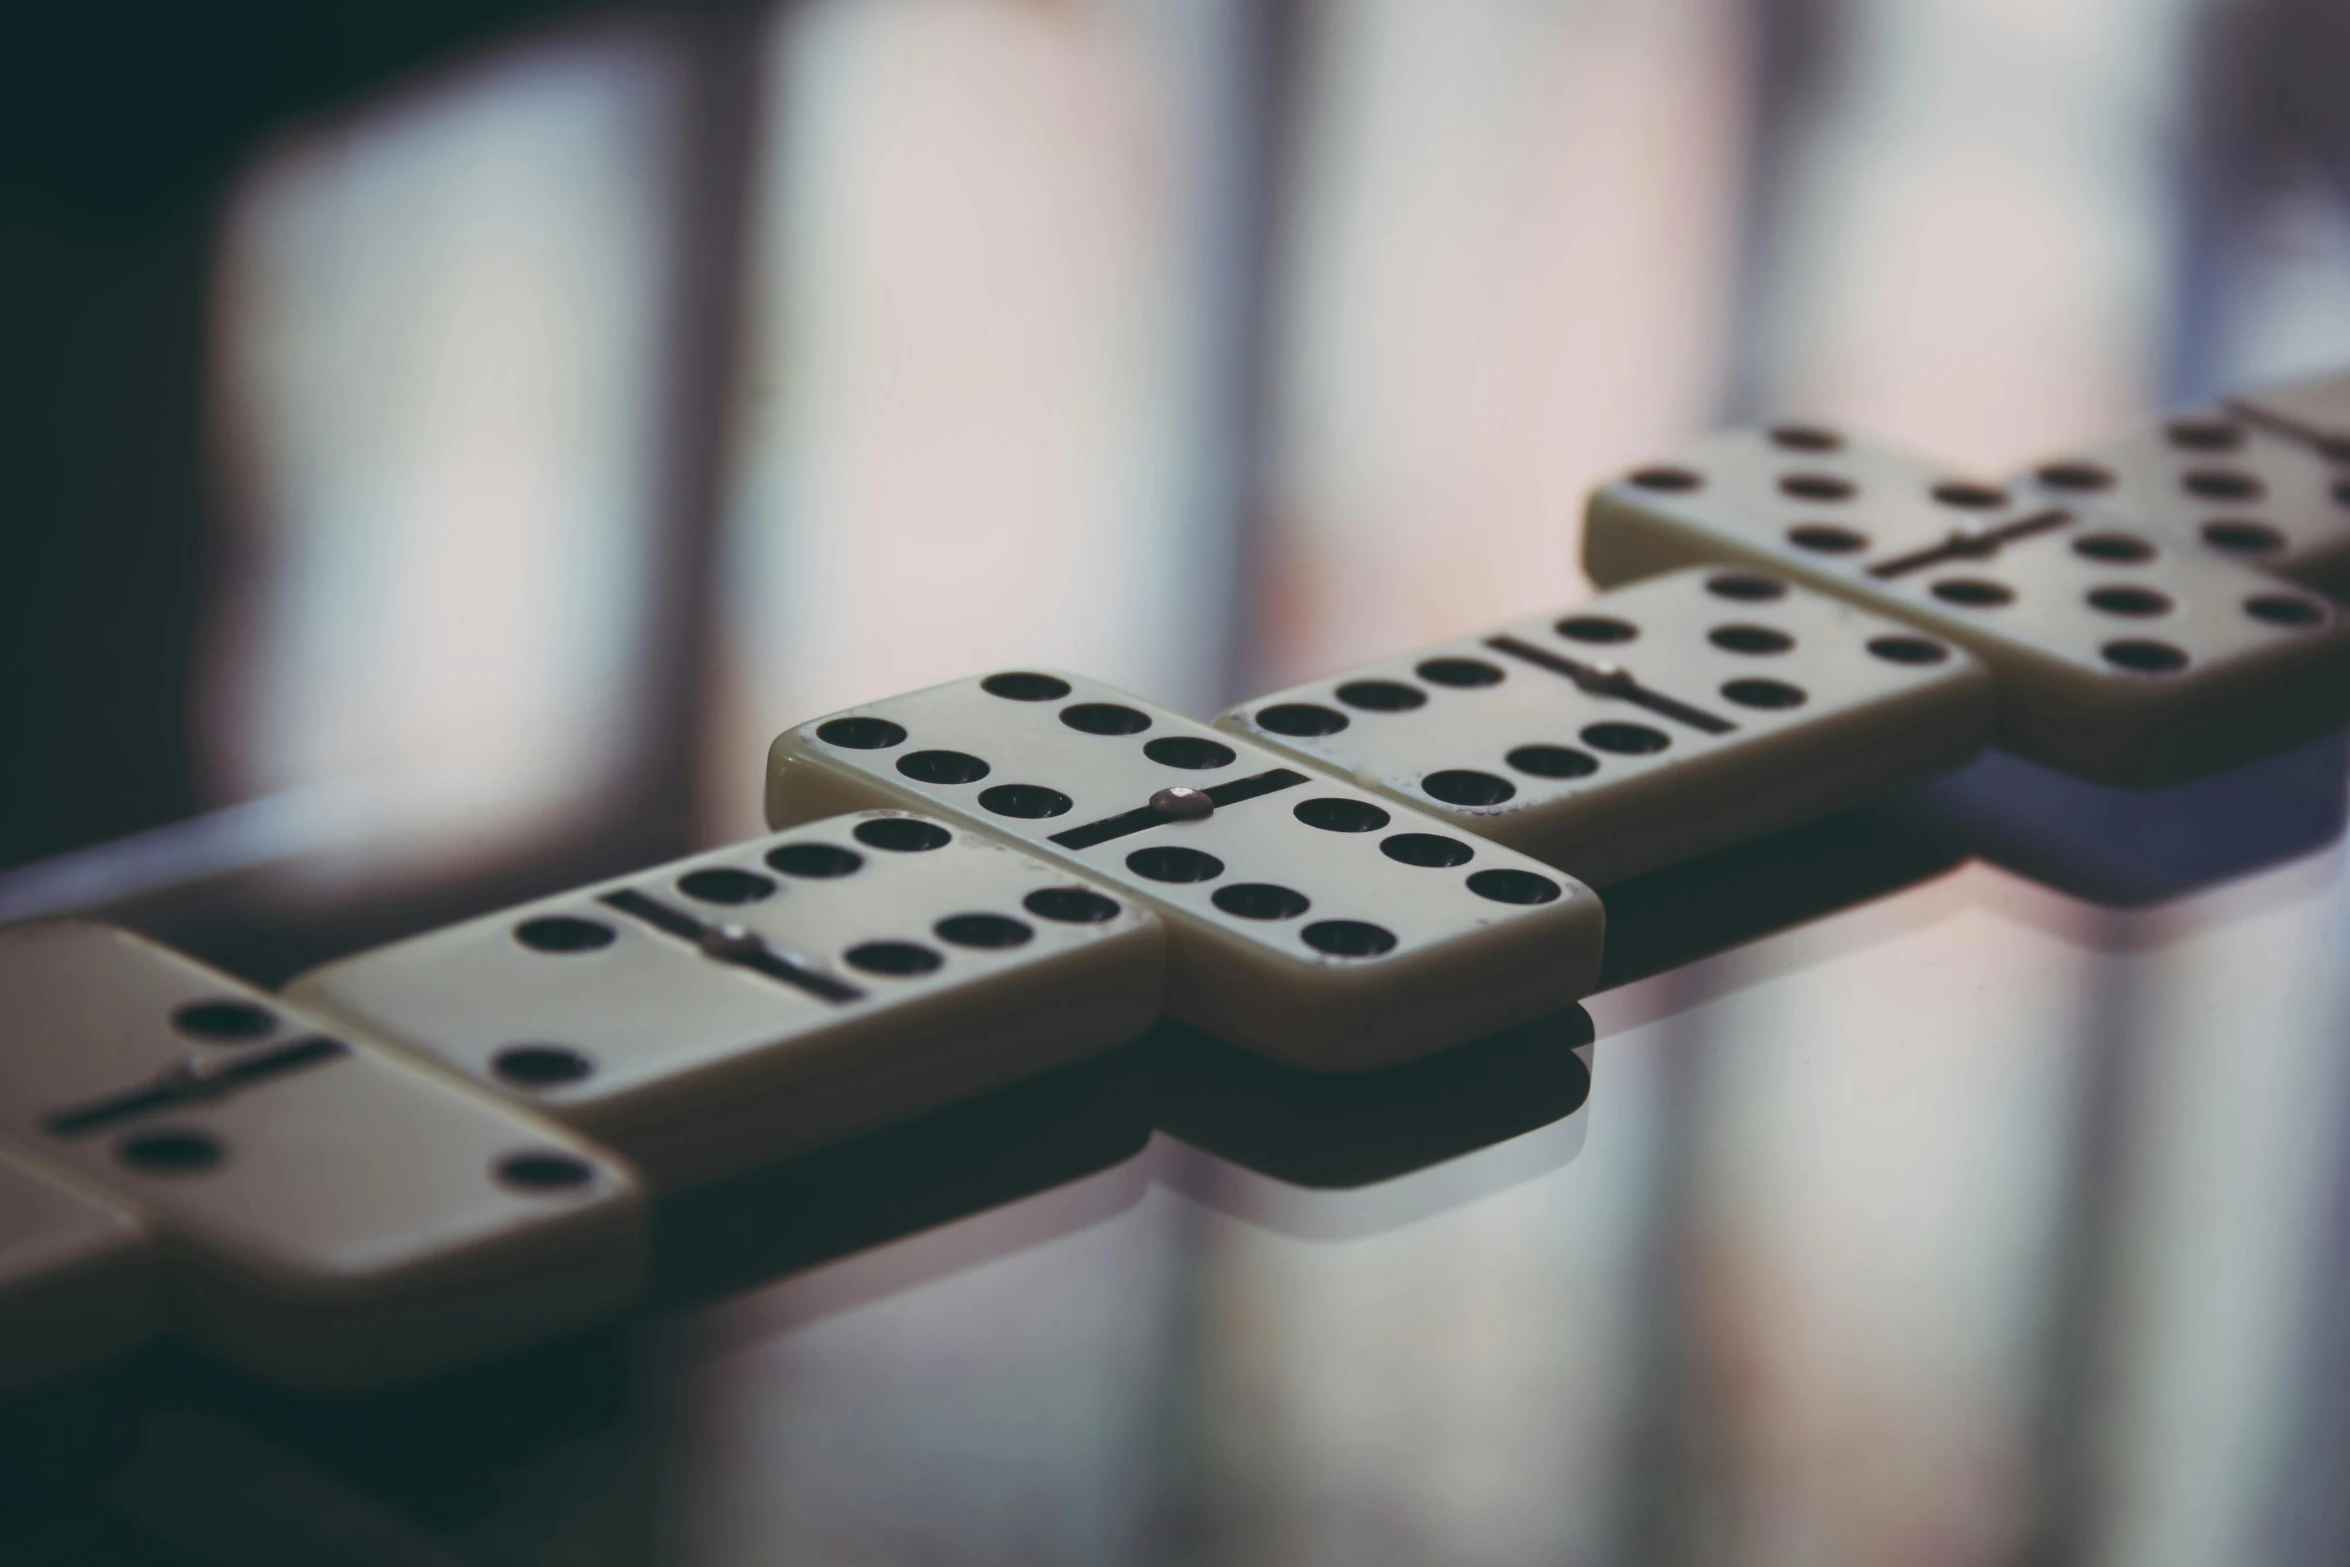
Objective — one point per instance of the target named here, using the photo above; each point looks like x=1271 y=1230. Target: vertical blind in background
x=981 y=415
x=972 y=426
x=437 y=371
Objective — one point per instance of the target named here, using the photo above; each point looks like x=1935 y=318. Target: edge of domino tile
x=80 y=1295
x=2313 y=409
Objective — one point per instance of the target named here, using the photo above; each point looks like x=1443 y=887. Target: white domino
x=763 y=998
x=2116 y=656
x=1647 y=725
x=1307 y=918
x=77 y=1272
x=2225 y=483
x=327 y=1215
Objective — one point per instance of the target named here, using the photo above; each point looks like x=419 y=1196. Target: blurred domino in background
x=1646 y=726
x=2117 y=656
x=2223 y=482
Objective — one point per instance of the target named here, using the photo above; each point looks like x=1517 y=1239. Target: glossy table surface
x=1959 y=1180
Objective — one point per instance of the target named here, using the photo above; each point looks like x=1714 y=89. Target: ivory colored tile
x=1647 y=725
x=755 y=1000
x=326 y=1214
x=1307 y=918
x=2116 y=656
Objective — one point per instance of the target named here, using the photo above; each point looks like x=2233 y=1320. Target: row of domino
x=431 y=1151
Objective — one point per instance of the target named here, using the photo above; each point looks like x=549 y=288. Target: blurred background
x=443 y=438
x=445 y=442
